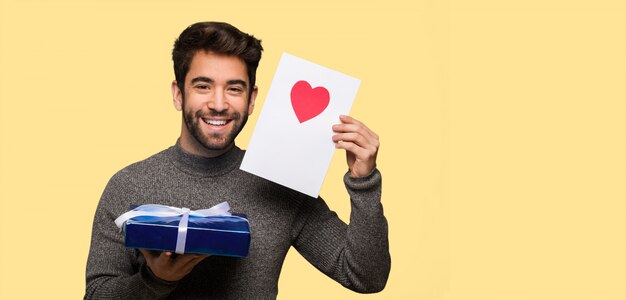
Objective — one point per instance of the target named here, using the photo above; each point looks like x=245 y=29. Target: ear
x=255 y=91
x=177 y=96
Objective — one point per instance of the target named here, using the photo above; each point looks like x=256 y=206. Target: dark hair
x=218 y=37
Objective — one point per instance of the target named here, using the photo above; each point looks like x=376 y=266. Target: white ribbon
x=157 y=210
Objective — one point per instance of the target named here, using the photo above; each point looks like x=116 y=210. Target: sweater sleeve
x=113 y=271
x=355 y=255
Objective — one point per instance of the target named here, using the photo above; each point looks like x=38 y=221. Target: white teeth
x=215 y=122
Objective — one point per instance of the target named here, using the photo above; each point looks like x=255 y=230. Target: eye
x=235 y=90
x=202 y=86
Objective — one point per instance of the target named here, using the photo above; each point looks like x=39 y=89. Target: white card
x=292 y=142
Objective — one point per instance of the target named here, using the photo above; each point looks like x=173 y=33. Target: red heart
x=308 y=102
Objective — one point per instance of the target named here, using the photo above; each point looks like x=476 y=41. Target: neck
x=192 y=146
x=204 y=166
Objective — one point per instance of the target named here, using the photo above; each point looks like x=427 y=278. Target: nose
x=218 y=102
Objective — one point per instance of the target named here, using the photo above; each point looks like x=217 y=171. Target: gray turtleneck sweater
x=355 y=255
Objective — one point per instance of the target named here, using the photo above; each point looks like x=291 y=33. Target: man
x=215 y=66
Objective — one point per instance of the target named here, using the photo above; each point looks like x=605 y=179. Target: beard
x=215 y=141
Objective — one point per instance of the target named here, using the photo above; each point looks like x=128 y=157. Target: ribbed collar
x=203 y=166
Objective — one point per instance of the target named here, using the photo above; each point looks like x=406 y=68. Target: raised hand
x=361 y=145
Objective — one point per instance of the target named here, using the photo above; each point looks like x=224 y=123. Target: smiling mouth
x=214 y=122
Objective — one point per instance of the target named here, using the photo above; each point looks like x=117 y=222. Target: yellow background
x=503 y=130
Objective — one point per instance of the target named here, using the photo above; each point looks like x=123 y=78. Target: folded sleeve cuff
x=368 y=182
x=365 y=192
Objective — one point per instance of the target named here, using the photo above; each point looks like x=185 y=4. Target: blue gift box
x=216 y=235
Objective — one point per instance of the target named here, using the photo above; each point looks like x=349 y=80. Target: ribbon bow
x=157 y=210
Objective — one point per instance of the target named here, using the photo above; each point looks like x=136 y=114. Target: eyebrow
x=209 y=80
x=202 y=79
x=237 y=81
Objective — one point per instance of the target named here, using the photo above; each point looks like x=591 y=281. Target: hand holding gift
x=166 y=266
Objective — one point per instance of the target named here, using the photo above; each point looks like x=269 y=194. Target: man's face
x=215 y=105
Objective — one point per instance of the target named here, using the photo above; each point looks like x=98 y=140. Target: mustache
x=233 y=115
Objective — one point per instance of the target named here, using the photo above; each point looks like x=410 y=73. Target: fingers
x=157 y=260
x=164 y=259
x=361 y=153
x=352 y=130
x=370 y=144
x=186 y=262
x=189 y=261
x=170 y=267
x=353 y=124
